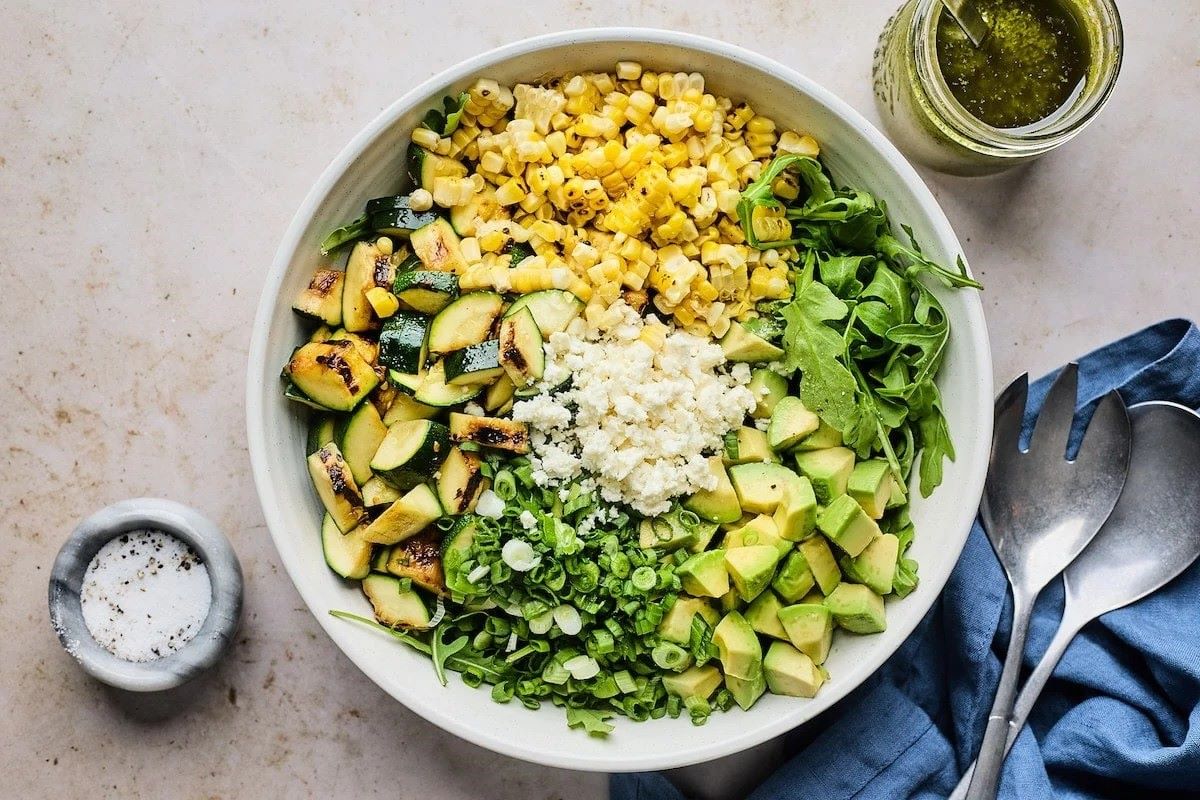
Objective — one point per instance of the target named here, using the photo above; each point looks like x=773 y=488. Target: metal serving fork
x=1040 y=510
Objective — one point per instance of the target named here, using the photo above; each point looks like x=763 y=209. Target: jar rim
x=1106 y=37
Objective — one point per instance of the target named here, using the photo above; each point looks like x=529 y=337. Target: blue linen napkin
x=1119 y=719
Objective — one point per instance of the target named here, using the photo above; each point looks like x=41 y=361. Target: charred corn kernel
x=491 y=161
x=786 y=186
x=492 y=241
x=654 y=335
x=720 y=327
x=510 y=192
x=760 y=279
x=384 y=245
x=450 y=192
x=469 y=246
x=739 y=117
x=424 y=137
x=629 y=70
x=547 y=230
x=383 y=301
x=581 y=289
x=705 y=291
x=684 y=315
x=420 y=200
x=575 y=86
x=769 y=224
x=649 y=82
x=792 y=142
x=738 y=157
x=760 y=124
x=538 y=105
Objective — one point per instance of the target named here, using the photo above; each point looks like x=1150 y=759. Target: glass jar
x=925 y=120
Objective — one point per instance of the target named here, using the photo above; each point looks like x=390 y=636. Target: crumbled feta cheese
x=637 y=421
x=474 y=409
x=762 y=424
x=489 y=505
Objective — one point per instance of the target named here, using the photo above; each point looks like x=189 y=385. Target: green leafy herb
x=345 y=234
x=591 y=721
x=445 y=121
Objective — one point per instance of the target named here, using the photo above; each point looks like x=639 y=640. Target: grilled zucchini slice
x=460 y=481
x=468 y=320
x=336 y=487
x=378 y=492
x=419 y=558
x=483 y=205
x=332 y=374
x=394 y=216
x=424 y=167
x=406 y=517
x=425 y=291
x=402 y=342
x=476 y=364
x=434 y=391
x=358 y=437
x=320 y=432
x=410 y=452
x=366 y=268
x=438 y=247
x=322 y=298
x=503 y=434
x=404 y=408
x=347 y=554
x=552 y=309
x=498 y=394
x=394 y=606
x=521 y=352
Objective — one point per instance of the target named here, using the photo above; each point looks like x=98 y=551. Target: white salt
x=145 y=595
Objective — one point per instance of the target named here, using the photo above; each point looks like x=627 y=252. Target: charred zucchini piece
x=460 y=480
x=378 y=492
x=478 y=363
x=424 y=167
x=336 y=487
x=367 y=349
x=410 y=452
x=347 y=554
x=358 y=436
x=483 y=205
x=366 y=264
x=406 y=517
x=322 y=298
x=499 y=393
x=439 y=248
x=468 y=320
x=320 y=432
x=419 y=558
x=404 y=408
x=503 y=434
x=394 y=216
x=332 y=374
x=393 y=606
x=552 y=309
x=424 y=290
x=402 y=342
x=521 y=352
x=434 y=391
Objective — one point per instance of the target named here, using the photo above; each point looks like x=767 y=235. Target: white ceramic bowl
x=372 y=165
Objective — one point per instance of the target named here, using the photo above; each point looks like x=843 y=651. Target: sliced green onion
x=668 y=655
x=555 y=673
x=519 y=555
x=644 y=578
x=625 y=681
x=505 y=485
x=568 y=620
x=542 y=623
x=582 y=667
x=477 y=574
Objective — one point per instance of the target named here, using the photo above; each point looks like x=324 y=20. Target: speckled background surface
x=150 y=157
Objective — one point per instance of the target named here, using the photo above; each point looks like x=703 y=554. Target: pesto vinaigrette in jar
x=1043 y=73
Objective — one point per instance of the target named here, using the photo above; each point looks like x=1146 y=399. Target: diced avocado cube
x=794 y=579
x=719 y=504
x=664 y=533
x=856 y=608
x=899 y=495
x=676 y=625
x=730 y=601
x=746 y=691
x=845 y=524
x=704 y=535
x=760 y=486
x=751 y=568
x=790 y=422
x=739 y=344
x=759 y=530
x=813 y=598
x=698 y=682
x=822 y=563
x=791 y=672
x=871 y=485
x=875 y=566
x=748 y=445
x=822 y=438
x=737 y=644
x=704 y=575
x=762 y=615
x=809 y=627
x=768 y=388
x=796 y=514
x=828 y=469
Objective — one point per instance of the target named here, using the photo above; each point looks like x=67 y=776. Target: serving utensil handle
x=986 y=779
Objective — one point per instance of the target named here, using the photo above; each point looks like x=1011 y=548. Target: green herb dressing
x=1035 y=59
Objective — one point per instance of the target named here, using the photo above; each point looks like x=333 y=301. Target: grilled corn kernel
x=792 y=142
x=384 y=245
x=420 y=200
x=383 y=301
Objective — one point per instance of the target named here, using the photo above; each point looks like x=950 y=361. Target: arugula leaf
x=445 y=121
x=440 y=651
x=816 y=349
x=590 y=720
x=345 y=234
x=760 y=193
x=913 y=262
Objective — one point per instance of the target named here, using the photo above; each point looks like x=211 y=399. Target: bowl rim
x=972 y=336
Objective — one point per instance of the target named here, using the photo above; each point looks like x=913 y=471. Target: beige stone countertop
x=151 y=154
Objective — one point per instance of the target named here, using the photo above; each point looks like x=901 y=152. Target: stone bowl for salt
x=216 y=631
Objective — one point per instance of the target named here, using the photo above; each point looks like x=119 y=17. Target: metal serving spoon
x=1040 y=511
x=1152 y=536
x=966 y=14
